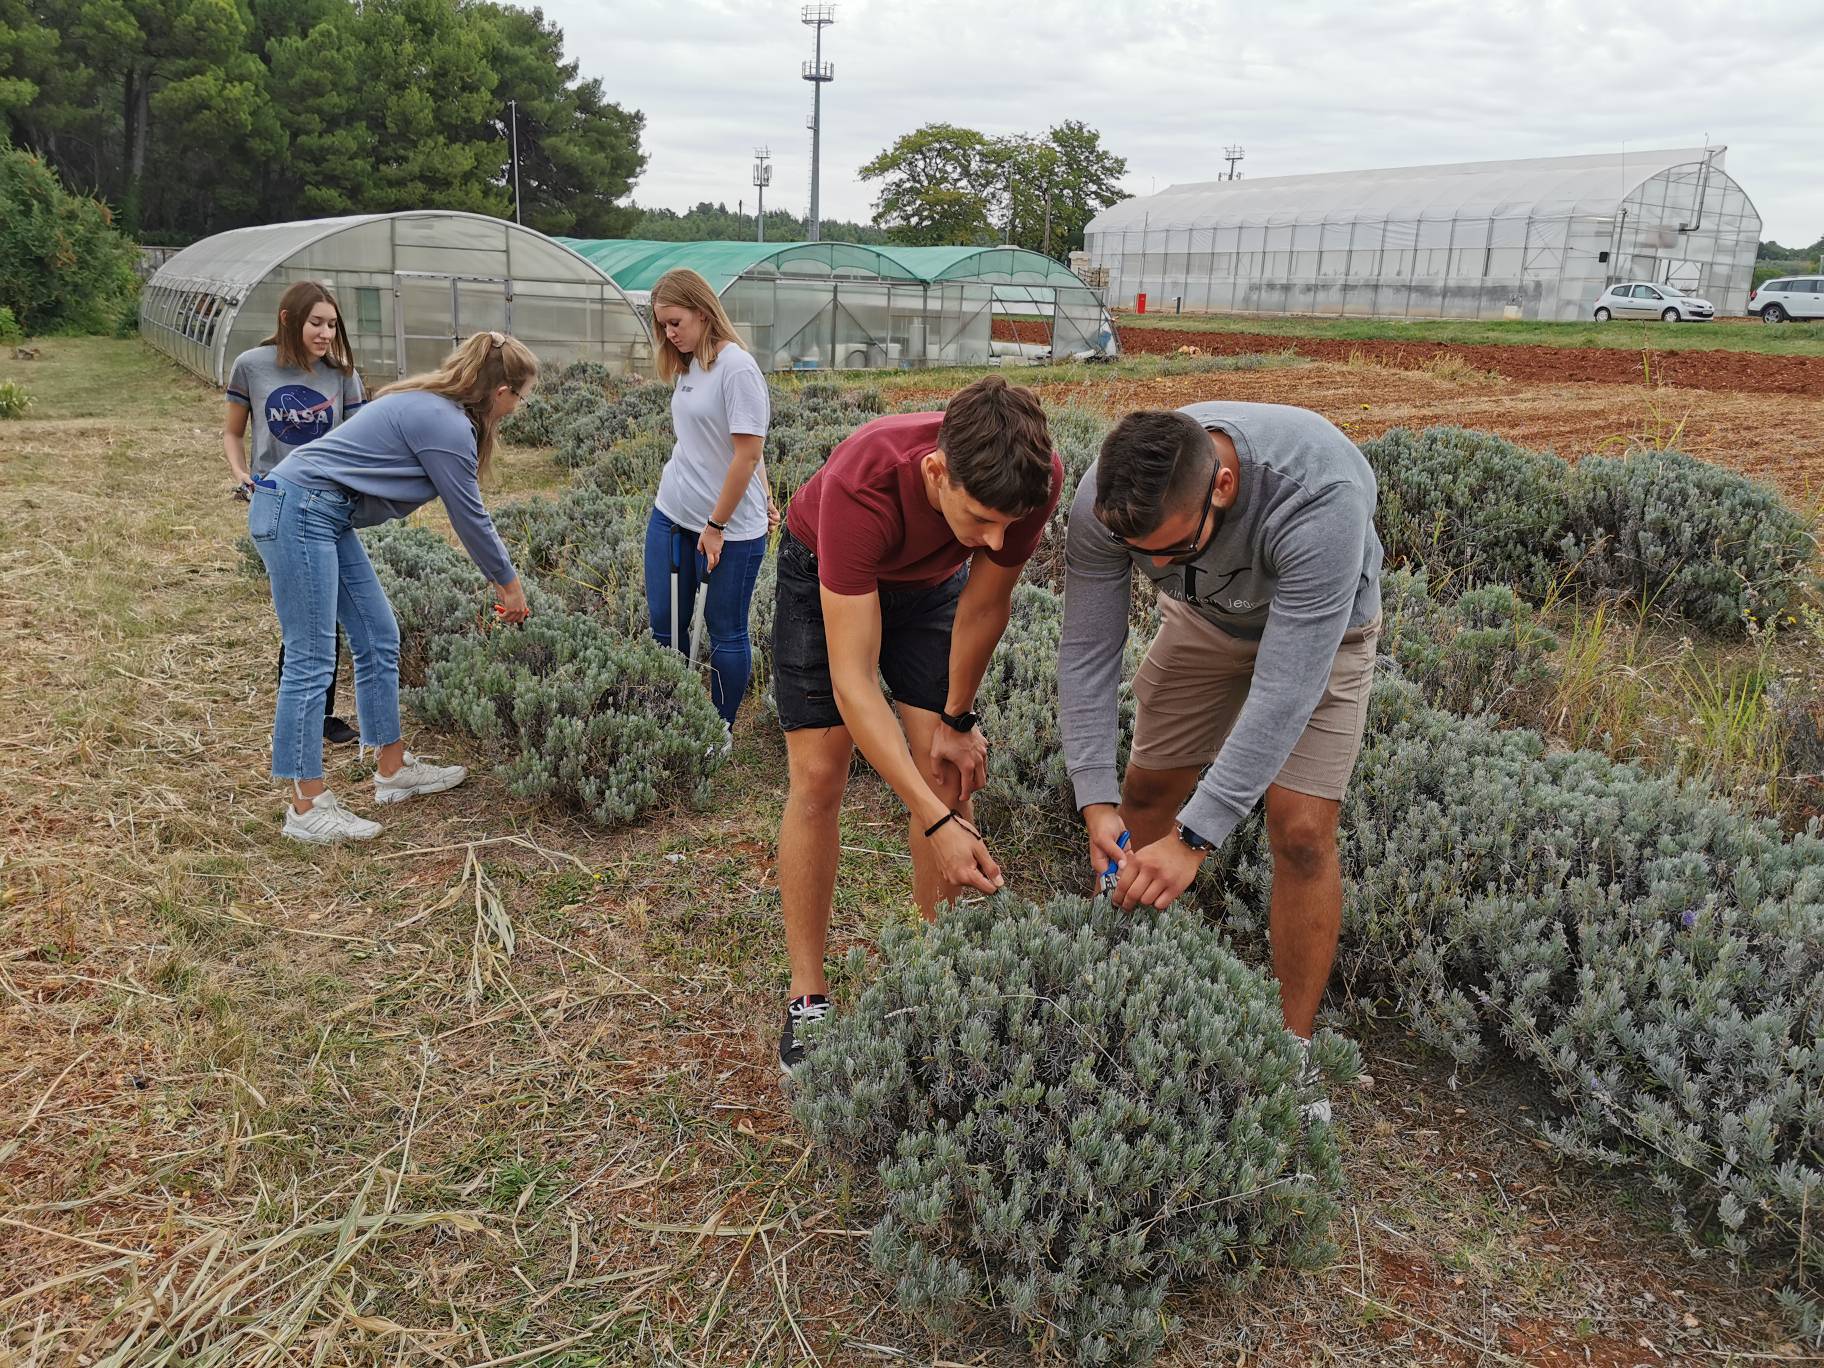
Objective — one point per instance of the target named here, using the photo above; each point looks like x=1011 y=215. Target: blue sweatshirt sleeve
x=450 y=466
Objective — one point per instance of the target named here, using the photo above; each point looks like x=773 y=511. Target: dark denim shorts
x=914 y=642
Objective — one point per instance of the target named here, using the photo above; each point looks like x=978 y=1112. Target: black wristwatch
x=1193 y=840
x=720 y=527
x=962 y=722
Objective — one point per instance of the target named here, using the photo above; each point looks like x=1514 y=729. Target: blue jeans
x=320 y=576
x=725 y=609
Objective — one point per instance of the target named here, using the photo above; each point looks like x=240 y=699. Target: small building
x=410 y=286
x=1537 y=238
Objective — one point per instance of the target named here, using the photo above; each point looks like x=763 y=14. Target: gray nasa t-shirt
x=708 y=407
x=288 y=407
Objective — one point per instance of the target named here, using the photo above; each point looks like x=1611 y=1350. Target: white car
x=1788 y=297
x=1637 y=299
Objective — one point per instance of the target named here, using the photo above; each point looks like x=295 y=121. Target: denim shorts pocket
x=263 y=513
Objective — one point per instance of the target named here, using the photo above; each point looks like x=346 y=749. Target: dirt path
x=1741 y=372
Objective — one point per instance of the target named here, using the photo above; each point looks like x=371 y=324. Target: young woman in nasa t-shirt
x=291 y=389
x=710 y=519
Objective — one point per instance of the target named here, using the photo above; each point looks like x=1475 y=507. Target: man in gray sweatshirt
x=1256 y=523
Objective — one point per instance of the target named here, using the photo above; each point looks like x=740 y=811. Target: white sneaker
x=725 y=747
x=1311 y=1083
x=327 y=822
x=416 y=777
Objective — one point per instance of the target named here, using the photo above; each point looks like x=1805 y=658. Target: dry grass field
x=499 y=1087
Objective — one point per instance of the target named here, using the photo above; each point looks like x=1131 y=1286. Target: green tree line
x=708 y=222
x=193 y=116
x=943 y=184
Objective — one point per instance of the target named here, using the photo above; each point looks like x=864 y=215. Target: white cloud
x=1303 y=86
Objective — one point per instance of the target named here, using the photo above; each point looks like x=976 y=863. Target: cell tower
x=1232 y=155
x=763 y=177
x=817 y=72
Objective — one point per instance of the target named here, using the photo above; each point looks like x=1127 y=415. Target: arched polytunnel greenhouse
x=814 y=305
x=1018 y=282
x=1538 y=238
x=410 y=286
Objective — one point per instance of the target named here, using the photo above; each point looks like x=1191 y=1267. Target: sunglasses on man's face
x=1185 y=550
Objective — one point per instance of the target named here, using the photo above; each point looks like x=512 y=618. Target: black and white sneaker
x=803 y=1024
x=339 y=733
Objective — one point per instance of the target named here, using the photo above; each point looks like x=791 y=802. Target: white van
x=1788 y=297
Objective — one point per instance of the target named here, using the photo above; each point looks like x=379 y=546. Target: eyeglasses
x=1186 y=550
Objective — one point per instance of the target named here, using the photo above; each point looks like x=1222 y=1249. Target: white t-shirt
x=708 y=408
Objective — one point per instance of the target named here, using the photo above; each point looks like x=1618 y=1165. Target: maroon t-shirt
x=866 y=517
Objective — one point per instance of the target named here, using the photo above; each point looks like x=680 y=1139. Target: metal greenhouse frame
x=410 y=286
x=1022 y=282
x=1534 y=239
x=810 y=305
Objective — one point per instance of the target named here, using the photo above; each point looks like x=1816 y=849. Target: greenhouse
x=1022 y=283
x=1535 y=239
x=410 y=286
x=812 y=305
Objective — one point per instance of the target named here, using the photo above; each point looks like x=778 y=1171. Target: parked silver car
x=1637 y=299
x=1789 y=297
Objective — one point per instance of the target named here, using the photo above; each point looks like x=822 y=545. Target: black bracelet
x=720 y=527
x=953 y=816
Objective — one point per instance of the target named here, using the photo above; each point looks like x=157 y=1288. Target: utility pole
x=513 y=111
x=818 y=72
x=763 y=177
x=1232 y=155
x=1047 y=248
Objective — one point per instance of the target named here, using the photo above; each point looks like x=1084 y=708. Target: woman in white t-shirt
x=709 y=522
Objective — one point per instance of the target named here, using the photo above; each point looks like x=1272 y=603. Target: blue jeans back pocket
x=263 y=512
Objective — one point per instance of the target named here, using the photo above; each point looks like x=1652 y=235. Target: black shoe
x=339 y=732
x=803 y=1020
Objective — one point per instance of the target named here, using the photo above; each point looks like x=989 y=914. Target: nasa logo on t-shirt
x=296 y=414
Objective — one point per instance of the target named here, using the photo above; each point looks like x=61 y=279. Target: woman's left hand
x=772 y=515
x=709 y=542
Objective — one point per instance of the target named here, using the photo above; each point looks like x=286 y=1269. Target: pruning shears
x=1112 y=875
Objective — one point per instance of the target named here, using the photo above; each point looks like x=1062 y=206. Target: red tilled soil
x=1743 y=372
x=1781 y=443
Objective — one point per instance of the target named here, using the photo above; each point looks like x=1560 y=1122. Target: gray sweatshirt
x=1295 y=564
x=401 y=451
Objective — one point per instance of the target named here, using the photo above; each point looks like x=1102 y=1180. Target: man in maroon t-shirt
x=916 y=522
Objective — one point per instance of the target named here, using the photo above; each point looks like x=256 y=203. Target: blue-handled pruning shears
x=1112 y=875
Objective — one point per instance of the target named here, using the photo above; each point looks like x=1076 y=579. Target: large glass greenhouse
x=812 y=305
x=1514 y=239
x=410 y=286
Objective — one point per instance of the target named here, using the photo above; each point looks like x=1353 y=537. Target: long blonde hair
x=683 y=288
x=470 y=375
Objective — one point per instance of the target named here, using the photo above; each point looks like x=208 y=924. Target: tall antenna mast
x=818 y=72
x=1232 y=155
x=763 y=177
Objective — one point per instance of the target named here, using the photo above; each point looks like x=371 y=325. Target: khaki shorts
x=1195 y=678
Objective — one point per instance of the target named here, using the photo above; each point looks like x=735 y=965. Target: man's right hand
x=1105 y=827
x=963 y=858
x=510 y=602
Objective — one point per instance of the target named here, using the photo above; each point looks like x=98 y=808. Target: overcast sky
x=1302 y=86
